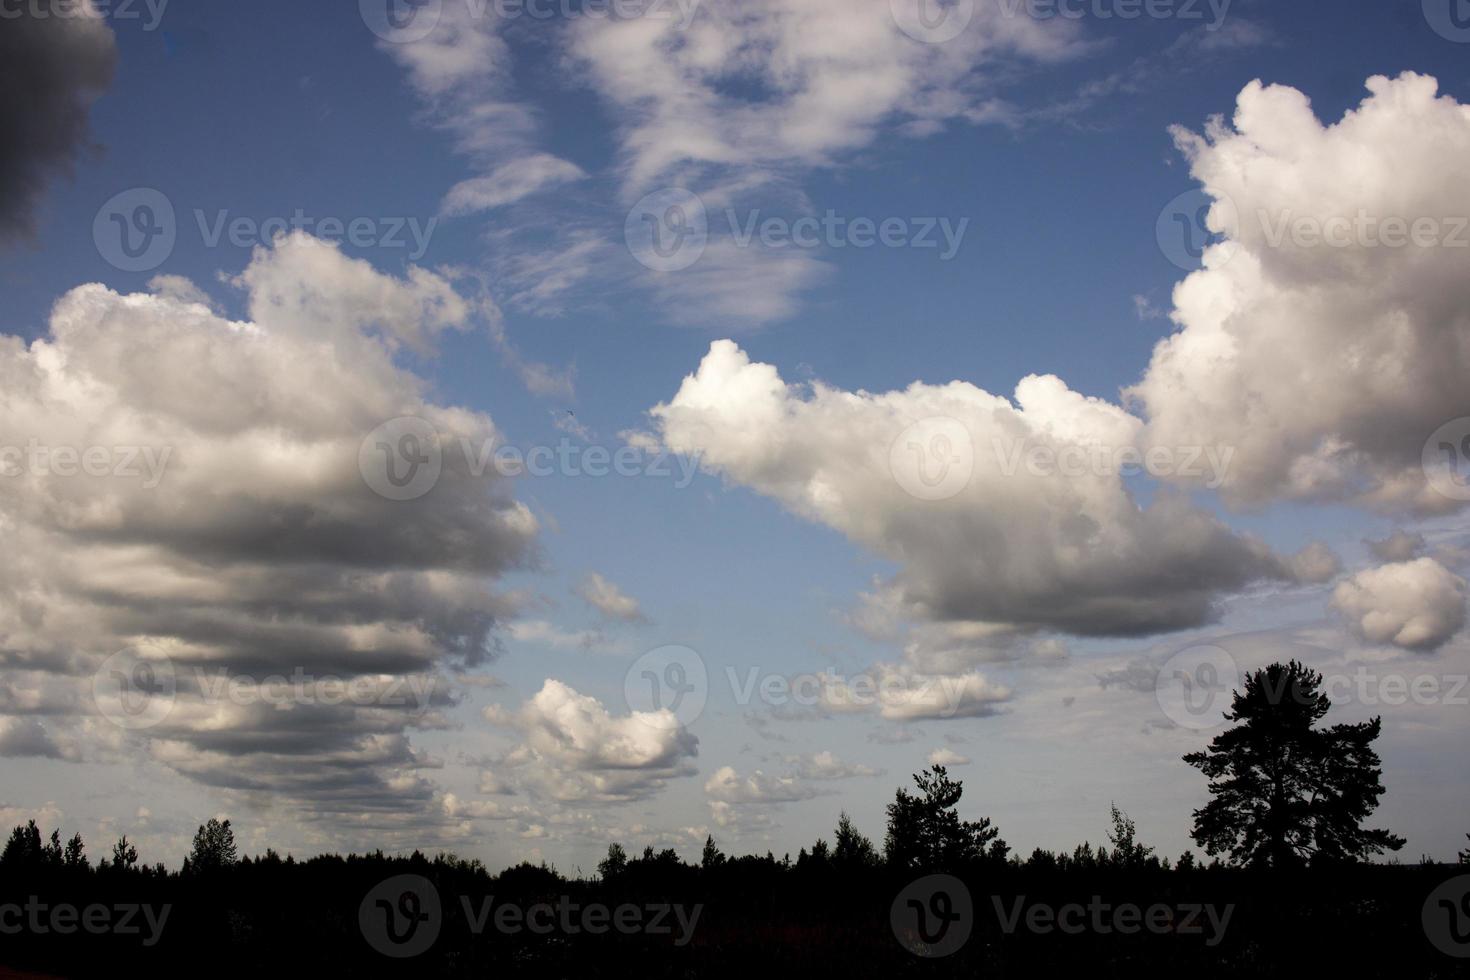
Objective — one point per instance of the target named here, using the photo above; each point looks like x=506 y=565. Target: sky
x=512 y=427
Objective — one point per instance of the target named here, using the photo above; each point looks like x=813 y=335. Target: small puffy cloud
x=1398 y=546
x=947 y=757
x=1315 y=564
x=1049 y=651
x=1417 y=605
x=508 y=183
x=48 y=814
x=493 y=784
x=52 y=68
x=826 y=765
x=899 y=692
x=893 y=736
x=458 y=809
x=728 y=786
x=542 y=633
x=739 y=820
x=179 y=288
x=573 y=749
x=608 y=599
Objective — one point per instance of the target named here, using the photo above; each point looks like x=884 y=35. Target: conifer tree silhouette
x=1283 y=791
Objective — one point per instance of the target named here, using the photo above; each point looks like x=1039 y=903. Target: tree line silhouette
x=1282 y=832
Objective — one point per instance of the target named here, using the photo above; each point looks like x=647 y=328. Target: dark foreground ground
x=370 y=916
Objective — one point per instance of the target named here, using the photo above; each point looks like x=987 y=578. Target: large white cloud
x=249 y=544
x=1325 y=364
x=1010 y=549
x=1417 y=605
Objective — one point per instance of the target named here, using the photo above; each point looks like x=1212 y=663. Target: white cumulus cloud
x=1417 y=605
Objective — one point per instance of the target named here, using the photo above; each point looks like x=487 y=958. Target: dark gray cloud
x=22 y=737
x=282 y=623
x=51 y=70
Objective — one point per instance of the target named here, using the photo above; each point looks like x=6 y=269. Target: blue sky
x=1053 y=144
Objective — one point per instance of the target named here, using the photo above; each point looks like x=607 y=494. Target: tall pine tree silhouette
x=1284 y=792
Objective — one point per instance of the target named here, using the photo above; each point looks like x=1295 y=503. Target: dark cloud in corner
x=51 y=70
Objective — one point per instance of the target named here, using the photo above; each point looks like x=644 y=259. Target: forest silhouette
x=1288 y=884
